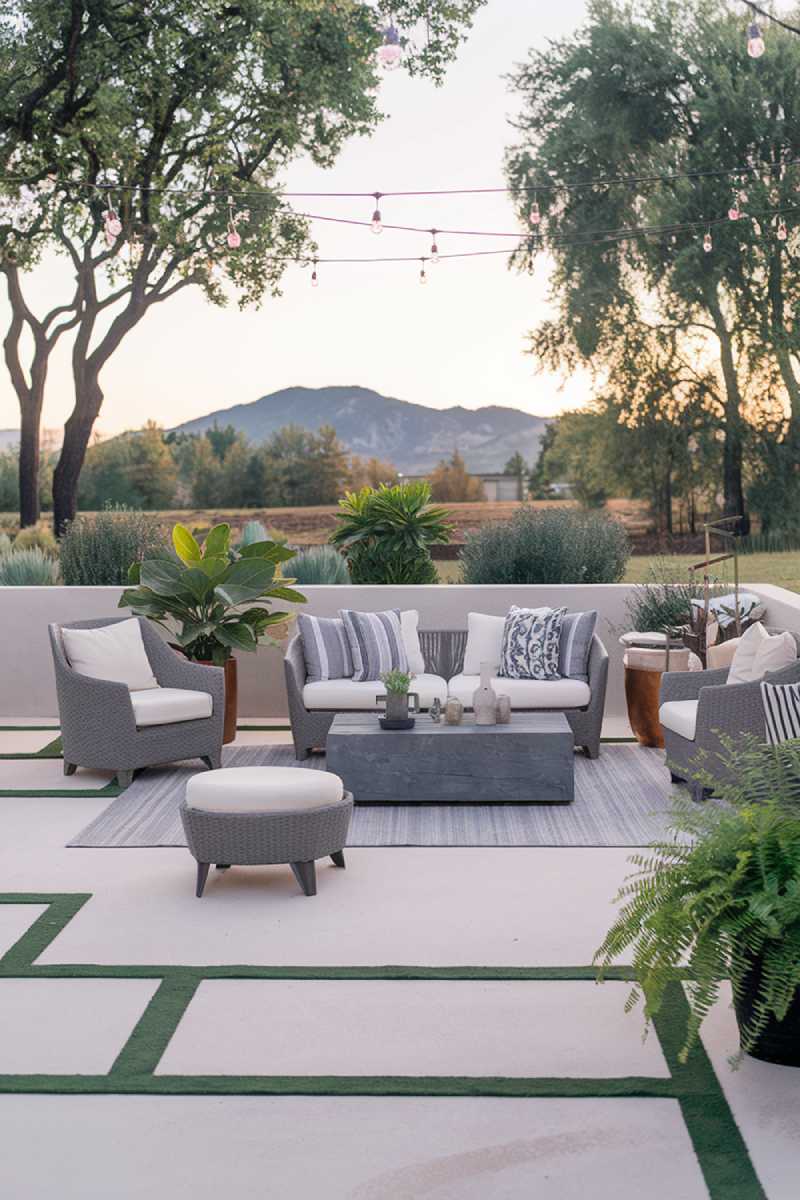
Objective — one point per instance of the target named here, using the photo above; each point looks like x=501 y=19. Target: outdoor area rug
x=621 y=799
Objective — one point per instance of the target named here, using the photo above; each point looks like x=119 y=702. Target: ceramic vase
x=453 y=711
x=503 y=710
x=484 y=699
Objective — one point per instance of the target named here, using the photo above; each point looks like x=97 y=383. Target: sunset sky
x=459 y=340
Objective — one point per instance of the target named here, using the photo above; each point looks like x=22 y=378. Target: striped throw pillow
x=376 y=642
x=577 y=631
x=781 y=711
x=325 y=647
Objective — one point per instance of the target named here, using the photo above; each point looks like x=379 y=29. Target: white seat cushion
x=263 y=789
x=342 y=695
x=164 y=706
x=112 y=652
x=679 y=716
x=526 y=693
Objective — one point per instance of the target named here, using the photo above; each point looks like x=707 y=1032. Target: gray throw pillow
x=376 y=642
x=577 y=631
x=325 y=647
x=531 y=643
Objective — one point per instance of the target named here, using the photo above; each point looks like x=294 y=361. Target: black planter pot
x=780 y=1040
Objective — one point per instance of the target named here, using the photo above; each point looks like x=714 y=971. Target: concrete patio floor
x=424 y=907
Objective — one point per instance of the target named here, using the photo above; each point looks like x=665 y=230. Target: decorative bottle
x=484 y=699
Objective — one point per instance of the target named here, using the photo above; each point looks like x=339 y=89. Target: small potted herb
x=722 y=901
x=398 y=698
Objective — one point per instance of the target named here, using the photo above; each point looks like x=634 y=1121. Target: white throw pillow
x=775 y=653
x=409 y=627
x=744 y=658
x=113 y=652
x=484 y=642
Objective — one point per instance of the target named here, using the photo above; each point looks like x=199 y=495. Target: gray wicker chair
x=723 y=710
x=97 y=723
x=443 y=653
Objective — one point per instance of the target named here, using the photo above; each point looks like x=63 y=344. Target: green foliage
x=723 y=902
x=97 y=551
x=5 y=544
x=135 y=470
x=217 y=598
x=451 y=483
x=552 y=545
x=397 y=682
x=37 y=536
x=31 y=567
x=665 y=599
x=252 y=531
x=386 y=533
x=320 y=565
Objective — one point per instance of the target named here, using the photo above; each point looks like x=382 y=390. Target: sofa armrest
x=174 y=670
x=732 y=709
x=295 y=666
x=687 y=685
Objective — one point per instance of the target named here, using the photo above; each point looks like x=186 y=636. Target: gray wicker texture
x=98 y=727
x=443 y=653
x=262 y=838
x=723 y=710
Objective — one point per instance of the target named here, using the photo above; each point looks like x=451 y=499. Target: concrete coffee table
x=529 y=761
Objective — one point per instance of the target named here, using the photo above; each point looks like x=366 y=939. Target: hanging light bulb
x=734 y=212
x=434 y=247
x=314 y=280
x=535 y=216
x=708 y=245
x=377 y=226
x=423 y=278
x=233 y=238
x=755 y=42
x=390 y=54
x=782 y=231
x=111 y=223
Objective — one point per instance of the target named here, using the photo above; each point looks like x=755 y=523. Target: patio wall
x=26 y=674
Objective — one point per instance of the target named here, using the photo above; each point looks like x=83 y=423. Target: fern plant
x=720 y=899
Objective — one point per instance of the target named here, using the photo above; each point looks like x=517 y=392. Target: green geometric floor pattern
x=718 y=1144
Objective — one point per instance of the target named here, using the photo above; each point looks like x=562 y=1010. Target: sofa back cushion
x=484 y=642
x=326 y=648
x=759 y=652
x=531 y=643
x=577 y=631
x=409 y=624
x=376 y=643
x=112 y=652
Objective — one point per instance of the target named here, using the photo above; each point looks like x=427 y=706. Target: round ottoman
x=258 y=815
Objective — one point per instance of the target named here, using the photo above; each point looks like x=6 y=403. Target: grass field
x=782 y=569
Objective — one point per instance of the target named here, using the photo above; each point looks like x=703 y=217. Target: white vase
x=484 y=699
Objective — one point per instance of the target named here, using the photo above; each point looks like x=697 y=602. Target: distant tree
x=579 y=452
x=222 y=439
x=136 y=470
x=517 y=466
x=450 y=482
x=370 y=472
x=135 y=107
x=541 y=478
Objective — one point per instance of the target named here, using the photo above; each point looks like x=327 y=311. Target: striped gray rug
x=621 y=799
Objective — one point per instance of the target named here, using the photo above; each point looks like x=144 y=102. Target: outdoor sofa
x=312 y=706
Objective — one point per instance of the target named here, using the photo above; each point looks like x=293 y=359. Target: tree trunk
x=29 y=460
x=732 y=489
x=77 y=431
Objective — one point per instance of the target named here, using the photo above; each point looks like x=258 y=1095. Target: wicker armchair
x=98 y=728
x=723 y=710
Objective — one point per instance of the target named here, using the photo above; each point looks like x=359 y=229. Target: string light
x=423 y=278
x=434 y=247
x=755 y=42
x=783 y=233
x=535 y=215
x=390 y=54
x=314 y=279
x=734 y=212
x=233 y=239
x=111 y=222
x=377 y=226
x=708 y=244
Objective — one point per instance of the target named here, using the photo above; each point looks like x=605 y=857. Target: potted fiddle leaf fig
x=721 y=901
x=213 y=599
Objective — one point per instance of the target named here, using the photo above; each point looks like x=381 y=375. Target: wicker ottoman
x=258 y=815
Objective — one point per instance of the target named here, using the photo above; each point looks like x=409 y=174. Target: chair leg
x=338 y=858
x=673 y=778
x=698 y=792
x=223 y=866
x=124 y=778
x=592 y=750
x=70 y=768
x=202 y=876
x=306 y=875
x=212 y=761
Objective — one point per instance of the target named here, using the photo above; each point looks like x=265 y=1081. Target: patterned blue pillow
x=531 y=643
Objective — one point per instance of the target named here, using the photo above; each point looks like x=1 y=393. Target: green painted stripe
x=142 y=1052
x=29 y=728
x=53 y=749
x=110 y=790
x=61 y=908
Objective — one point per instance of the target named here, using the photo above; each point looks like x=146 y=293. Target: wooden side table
x=643 y=685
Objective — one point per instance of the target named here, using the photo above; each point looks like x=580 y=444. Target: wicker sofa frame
x=98 y=728
x=443 y=654
x=723 y=710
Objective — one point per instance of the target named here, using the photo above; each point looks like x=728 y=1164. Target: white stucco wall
x=26 y=674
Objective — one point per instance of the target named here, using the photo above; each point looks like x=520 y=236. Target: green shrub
x=320 y=565
x=5 y=544
x=37 y=536
x=550 y=545
x=28 y=568
x=253 y=531
x=665 y=599
x=97 y=550
x=386 y=533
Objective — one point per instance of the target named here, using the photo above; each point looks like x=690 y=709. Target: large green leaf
x=269 y=551
x=245 y=580
x=217 y=542
x=288 y=594
x=214 y=568
x=186 y=547
x=164 y=578
x=198 y=583
x=237 y=635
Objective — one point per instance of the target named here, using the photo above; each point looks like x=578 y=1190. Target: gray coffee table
x=529 y=761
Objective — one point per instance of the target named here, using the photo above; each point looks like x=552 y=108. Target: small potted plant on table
x=725 y=904
x=399 y=701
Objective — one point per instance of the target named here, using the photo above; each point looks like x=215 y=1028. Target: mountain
x=411 y=436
